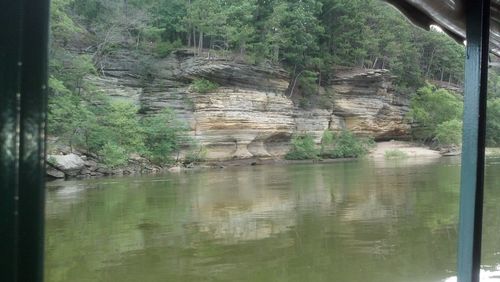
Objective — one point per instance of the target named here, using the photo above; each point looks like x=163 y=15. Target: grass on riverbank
x=395 y=154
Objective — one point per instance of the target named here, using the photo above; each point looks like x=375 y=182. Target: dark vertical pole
x=32 y=140
x=472 y=174
x=10 y=87
x=23 y=98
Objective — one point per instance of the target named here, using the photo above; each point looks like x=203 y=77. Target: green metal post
x=23 y=103
x=473 y=143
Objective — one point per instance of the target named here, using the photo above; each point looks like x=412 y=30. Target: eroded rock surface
x=249 y=115
x=368 y=105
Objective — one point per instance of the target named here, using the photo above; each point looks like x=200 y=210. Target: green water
x=347 y=222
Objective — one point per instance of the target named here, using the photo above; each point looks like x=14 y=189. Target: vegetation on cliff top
x=306 y=36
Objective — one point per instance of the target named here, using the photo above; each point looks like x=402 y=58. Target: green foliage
x=196 y=154
x=123 y=126
x=163 y=49
x=437 y=114
x=395 y=154
x=88 y=120
x=152 y=34
x=493 y=83
x=304 y=103
x=202 y=85
x=57 y=87
x=113 y=130
x=293 y=30
x=240 y=23
x=113 y=155
x=308 y=83
x=431 y=107
x=343 y=145
x=68 y=117
x=68 y=71
x=163 y=136
x=62 y=26
x=333 y=145
x=493 y=122
x=444 y=57
x=449 y=132
x=303 y=148
x=169 y=15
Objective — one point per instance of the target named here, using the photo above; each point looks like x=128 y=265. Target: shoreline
x=407 y=148
x=410 y=150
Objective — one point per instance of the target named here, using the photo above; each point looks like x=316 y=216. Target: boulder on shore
x=69 y=164
x=54 y=173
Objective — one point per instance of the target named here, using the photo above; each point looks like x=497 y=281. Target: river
x=362 y=220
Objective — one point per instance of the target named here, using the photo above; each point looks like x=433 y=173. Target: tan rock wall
x=249 y=115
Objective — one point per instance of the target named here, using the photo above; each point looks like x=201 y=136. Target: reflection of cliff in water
x=264 y=201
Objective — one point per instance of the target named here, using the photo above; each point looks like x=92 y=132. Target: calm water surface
x=348 y=221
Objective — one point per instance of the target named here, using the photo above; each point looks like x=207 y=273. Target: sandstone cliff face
x=249 y=115
x=368 y=105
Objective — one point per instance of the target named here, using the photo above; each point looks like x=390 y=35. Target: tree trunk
x=194 y=39
x=430 y=63
x=319 y=82
x=200 y=43
x=442 y=73
x=294 y=83
x=189 y=27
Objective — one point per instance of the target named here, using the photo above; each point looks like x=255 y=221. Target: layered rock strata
x=249 y=115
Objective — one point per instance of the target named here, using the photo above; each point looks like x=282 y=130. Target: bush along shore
x=103 y=137
x=333 y=145
x=71 y=163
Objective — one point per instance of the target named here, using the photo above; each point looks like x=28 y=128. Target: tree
x=296 y=29
x=208 y=19
x=164 y=135
x=493 y=122
x=240 y=27
x=432 y=107
x=449 y=132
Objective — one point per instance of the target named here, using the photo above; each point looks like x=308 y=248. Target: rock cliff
x=249 y=115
